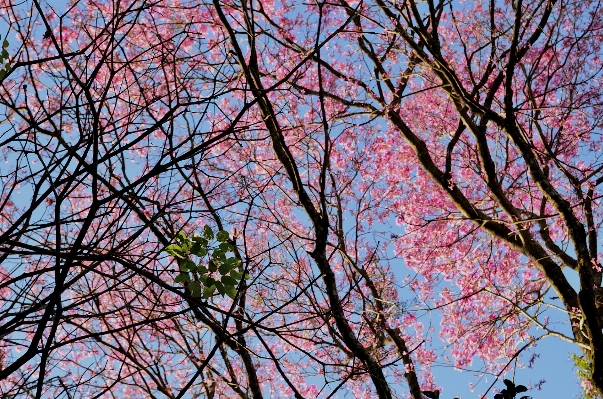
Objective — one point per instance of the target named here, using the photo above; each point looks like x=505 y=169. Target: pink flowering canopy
x=218 y=199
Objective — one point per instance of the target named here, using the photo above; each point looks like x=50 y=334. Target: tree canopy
x=211 y=199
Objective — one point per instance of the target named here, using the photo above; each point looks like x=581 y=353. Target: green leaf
x=4 y=54
x=229 y=281
x=226 y=247
x=220 y=288
x=212 y=266
x=208 y=232
x=224 y=268
x=231 y=291
x=5 y=43
x=195 y=288
x=197 y=249
x=236 y=275
x=187 y=265
x=222 y=236
x=219 y=254
x=185 y=243
x=175 y=250
x=180 y=237
x=182 y=278
x=202 y=270
x=2 y=73
x=208 y=291
x=233 y=262
x=171 y=247
x=202 y=241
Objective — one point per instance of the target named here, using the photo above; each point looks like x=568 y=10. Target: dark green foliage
x=584 y=372
x=4 y=60
x=212 y=259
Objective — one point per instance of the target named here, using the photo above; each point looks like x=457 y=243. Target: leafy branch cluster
x=4 y=59
x=584 y=373
x=211 y=259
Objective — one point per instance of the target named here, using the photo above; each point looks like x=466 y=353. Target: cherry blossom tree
x=300 y=151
